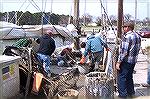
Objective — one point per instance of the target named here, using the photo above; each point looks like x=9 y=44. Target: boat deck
x=139 y=77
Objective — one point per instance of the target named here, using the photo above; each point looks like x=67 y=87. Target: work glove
x=107 y=49
x=82 y=60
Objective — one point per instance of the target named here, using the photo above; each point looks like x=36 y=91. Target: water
x=4 y=43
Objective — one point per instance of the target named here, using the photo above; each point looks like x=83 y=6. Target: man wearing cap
x=127 y=59
x=46 y=48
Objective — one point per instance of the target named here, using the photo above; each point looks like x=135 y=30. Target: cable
x=22 y=14
x=69 y=20
x=16 y=20
x=18 y=10
x=109 y=22
x=37 y=7
x=45 y=5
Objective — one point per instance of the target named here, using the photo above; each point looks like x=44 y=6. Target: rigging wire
x=43 y=14
x=85 y=13
x=51 y=7
x=22 y=14
x=109 y=21
x=69 y=20
x=38 y=8
x=45 y=5
x=35 y=5
x=42 y=18
x=16 y=20
x=18 y=10
x=135 y=11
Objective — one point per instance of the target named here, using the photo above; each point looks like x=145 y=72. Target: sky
x=92 y=7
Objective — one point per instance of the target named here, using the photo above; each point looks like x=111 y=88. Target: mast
x=148 y=9
x=85 y=13
x=135 y=11
x=51 y=6
x=7 y=16
x=120 y=18
x=76 y=13
x=42 y=17
x=15 y=17
x=76 y=22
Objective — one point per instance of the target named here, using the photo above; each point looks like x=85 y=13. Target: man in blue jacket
x=95 y=46
x=46 y=48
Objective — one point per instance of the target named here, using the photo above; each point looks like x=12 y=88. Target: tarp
x=4 y=24
x=57 y=30
x=10 y=30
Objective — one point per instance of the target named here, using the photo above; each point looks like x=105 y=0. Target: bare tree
x=146 y=21
x=86 y=19
x=99 y=21
x=113 y=19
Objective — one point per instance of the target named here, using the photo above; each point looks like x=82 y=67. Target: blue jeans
x=46 y=60
x=125 y=79
x=148 y=74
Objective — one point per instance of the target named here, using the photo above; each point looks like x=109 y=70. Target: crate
x=9 y=76
x=99 y=85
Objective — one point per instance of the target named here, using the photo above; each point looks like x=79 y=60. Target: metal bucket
x=68 y=94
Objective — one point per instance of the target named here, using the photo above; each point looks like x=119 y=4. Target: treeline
x=27 y=18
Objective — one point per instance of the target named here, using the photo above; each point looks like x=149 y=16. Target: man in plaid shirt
x=127 y=59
